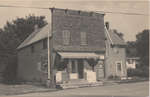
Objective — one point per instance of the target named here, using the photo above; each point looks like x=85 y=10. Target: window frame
x=66 y=36
x=83 y=38
x=119 y=71
x=130 y=61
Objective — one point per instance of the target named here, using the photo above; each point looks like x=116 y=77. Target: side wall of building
x=114 y=55
x=29 y=63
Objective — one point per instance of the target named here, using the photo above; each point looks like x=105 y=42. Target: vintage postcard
x=74 y=48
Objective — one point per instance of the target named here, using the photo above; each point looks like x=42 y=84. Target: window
x=119 y=66
x=130 y=61
x=83 y=38
x=43 y=64
x=66 y=37
x=32 y=49
x=45 y=44
x=73 y=67
x=116 y=50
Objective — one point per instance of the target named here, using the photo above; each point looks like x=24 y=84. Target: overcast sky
x=130 y=25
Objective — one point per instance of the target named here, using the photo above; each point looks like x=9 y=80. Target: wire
x=123 y=13
x=93 y=11
x=12 y=6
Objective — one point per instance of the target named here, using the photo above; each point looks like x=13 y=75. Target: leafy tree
x=12 y=35
x=18 y=30
x=131 y=50
x=118 y=33
x=142 y=46
x=92 y=62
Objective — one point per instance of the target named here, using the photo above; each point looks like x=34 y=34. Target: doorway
x=80 y=69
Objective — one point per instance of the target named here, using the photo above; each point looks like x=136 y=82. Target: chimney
x=36 y=27
x=107 y=25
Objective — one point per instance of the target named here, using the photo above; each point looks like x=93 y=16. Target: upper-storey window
x=66 y=37
x=83 y=38
x=119 y=64
x=45 y=44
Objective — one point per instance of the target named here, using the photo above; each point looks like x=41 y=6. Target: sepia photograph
x=74 y=48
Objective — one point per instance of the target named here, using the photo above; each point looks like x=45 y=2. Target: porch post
x=69 y=67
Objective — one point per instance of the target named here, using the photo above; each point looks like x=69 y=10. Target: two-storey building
x=78 y=47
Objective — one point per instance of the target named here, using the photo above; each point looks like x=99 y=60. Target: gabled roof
x=117 y=40
x=37 y=35
x=114 y=38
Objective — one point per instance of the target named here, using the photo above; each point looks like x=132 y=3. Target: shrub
x=114 y=77
x=144 y=72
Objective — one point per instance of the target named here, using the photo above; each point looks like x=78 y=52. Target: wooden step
x=79 y=85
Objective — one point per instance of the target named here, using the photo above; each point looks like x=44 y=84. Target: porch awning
x=79 y=55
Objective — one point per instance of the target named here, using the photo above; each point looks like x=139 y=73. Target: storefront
x=77 y=65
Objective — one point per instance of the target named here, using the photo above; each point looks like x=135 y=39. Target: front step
x=79 y=84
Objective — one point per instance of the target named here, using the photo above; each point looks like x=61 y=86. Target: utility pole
x=51 y=75
x=48 y=67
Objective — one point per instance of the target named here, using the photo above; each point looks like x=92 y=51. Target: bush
x=114 y=77
x=138 y=72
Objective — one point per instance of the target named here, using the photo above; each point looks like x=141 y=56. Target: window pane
x=83 y=38
x=119 y=66
x=66 y=37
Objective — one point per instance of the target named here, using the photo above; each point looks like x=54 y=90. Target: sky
x=129 y=25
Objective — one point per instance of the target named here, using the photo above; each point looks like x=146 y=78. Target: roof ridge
x=32 y=37
x=29 y=37
x=107 y=32
x=114 y=38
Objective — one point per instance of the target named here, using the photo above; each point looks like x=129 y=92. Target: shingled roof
x=114 y=38
x=43 y=33
x=37 y=35
x=117 y=40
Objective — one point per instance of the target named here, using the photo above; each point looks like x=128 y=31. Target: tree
x=142 y=46
x=131 y=50
x=18 y=30
x=118 y=33
x=92 y=62
x=12 y=35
